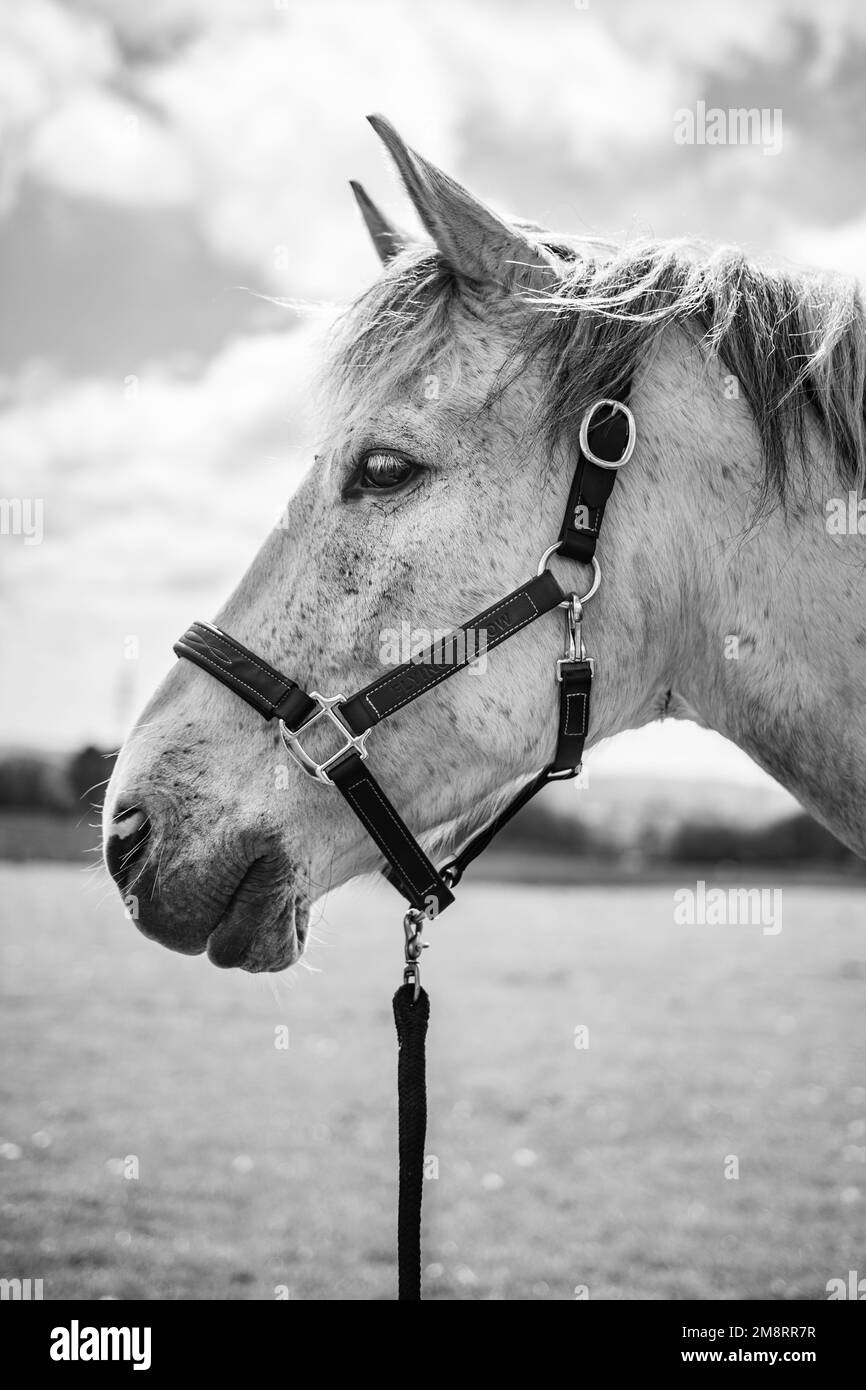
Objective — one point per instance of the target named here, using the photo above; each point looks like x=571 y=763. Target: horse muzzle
x=233 y=898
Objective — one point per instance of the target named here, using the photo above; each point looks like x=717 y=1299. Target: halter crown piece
x=606 y=443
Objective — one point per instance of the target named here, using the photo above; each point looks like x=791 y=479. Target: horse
x=451 y=397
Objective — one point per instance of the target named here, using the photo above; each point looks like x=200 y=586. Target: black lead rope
x=411 y=1015
x=607 y=438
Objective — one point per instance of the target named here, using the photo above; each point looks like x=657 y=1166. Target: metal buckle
x=413 y=925
x=584 y=434
x=292 y=740
x=575 y=651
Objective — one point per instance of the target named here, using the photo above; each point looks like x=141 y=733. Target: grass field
x=558 y=1167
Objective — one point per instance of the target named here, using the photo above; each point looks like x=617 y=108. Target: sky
x=168 y=169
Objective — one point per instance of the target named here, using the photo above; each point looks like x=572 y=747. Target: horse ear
x=387 y=239
x=474 y=240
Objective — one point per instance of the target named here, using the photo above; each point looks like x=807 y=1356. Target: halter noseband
x=607 y=439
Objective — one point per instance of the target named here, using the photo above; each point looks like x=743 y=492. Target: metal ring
x=596 y=576
x=584 y=434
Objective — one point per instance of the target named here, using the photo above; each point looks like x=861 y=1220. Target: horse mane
x=795 y=341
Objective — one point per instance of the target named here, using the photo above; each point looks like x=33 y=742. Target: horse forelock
x=398 y=331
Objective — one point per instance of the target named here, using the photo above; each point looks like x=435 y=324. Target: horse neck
x=770 y=618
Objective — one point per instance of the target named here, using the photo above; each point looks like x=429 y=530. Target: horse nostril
x=130 y=829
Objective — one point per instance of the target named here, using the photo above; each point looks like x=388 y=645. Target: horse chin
x=254 y=937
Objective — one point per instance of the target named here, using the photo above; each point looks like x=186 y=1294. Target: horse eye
x=380 y=471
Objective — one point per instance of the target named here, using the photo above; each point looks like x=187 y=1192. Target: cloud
x=175 y=445
x=64 y=120
x=96 y=145
x=836 y=248
x=275 y=152
x=697 y=37
x=266 y=163
x=47 y=53
x=250 y=117
x=157 y=471
x=157 y=493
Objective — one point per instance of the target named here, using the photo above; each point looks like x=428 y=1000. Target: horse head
x=451 y=400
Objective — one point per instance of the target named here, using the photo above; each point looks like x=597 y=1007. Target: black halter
x=607 y=438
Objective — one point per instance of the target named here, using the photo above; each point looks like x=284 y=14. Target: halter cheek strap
x=607 y=440
x=607 y=437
